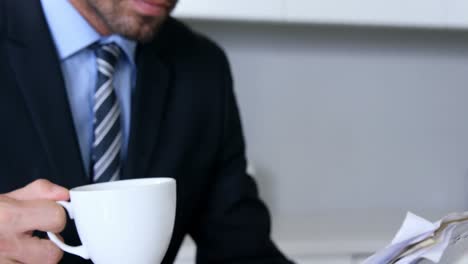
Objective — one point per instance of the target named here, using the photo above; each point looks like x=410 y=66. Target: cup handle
x=79 y=250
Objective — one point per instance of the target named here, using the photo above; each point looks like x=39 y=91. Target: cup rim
x=122 y=185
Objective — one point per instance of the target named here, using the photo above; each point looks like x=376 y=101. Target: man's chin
x=141 y=32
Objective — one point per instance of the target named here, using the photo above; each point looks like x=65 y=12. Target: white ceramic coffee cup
x=129 y=221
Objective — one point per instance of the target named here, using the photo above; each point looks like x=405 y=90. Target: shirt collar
x=72 y=33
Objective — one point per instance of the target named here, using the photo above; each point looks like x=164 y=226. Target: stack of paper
x=421 y=241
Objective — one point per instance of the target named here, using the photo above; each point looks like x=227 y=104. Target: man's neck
x=92 y=17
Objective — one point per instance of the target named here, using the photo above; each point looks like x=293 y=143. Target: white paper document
x=420 y=240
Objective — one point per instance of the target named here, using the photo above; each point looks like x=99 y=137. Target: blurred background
x=354 y=112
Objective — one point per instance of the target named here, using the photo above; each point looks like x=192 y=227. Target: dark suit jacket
x=185 y=125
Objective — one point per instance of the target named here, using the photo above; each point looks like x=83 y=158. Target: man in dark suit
x=100 y=90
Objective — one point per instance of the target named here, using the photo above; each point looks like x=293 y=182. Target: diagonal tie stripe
x=105 y=68
x=104 y=127
x=99 y=93
x=105 y=103
x=110 y=119
x=107 y=141
x=101 y=98
x=109 y=156
x=112 y=48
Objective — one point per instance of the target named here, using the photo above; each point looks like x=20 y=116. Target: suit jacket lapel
x=147 y=108
x=35 y=62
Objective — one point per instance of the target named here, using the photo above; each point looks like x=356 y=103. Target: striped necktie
x=107 y=140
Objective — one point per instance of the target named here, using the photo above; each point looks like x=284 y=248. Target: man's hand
x=21 y=213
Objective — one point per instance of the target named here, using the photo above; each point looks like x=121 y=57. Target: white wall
x=352 y=118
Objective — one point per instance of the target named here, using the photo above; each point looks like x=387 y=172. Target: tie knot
x=108 y=55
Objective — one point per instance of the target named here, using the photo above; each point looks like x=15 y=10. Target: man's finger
x=9 y=261
x=40 y=190
x=25 y=216
x=42 y=215
x=34 y=250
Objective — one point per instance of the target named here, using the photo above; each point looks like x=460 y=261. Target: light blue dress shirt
x=73 y=36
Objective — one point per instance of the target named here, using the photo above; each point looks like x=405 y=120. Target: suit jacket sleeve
x=235 y=224
x=2 y=22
